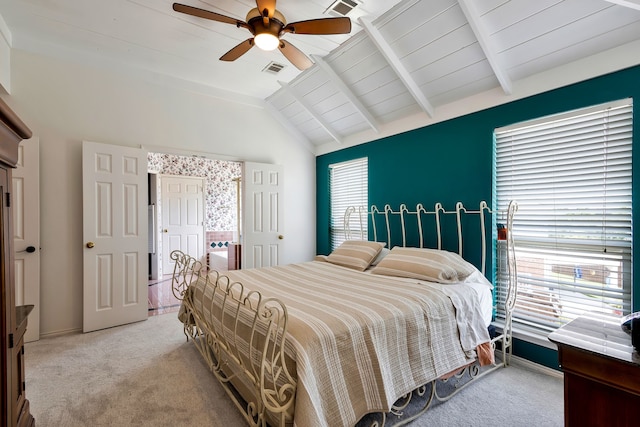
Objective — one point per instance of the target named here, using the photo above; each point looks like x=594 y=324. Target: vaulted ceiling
x=402 y=59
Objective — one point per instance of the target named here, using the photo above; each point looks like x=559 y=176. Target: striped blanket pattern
x=361 y=341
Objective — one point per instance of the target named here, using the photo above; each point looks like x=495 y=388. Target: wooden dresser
x=14 y=409
x=601 y=372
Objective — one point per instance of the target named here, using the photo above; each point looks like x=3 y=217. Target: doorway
x=182 y=217
x=220 y=217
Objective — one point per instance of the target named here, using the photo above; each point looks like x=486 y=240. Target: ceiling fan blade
x=295 y=55
x=238 y=51
x=206 y=14
x=320 y=26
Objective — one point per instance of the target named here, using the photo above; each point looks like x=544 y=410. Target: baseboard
x=60 y=333
x=536 y=367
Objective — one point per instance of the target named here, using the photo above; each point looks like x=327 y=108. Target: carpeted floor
x=146 y=374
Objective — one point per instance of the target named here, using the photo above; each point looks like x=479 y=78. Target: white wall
x=5 y=57
x=65 y=103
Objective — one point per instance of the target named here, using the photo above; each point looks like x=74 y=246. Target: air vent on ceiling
x=273 y=68
x=341 y=7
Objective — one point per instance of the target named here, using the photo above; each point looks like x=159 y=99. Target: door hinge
x=11 y=341
x=8 y=201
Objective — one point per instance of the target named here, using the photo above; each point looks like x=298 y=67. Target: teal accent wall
x=452 y=161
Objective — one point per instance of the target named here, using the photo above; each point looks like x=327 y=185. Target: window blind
x=348 y=186
x=571 y=176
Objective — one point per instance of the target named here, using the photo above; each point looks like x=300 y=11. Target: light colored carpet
x=146 y=374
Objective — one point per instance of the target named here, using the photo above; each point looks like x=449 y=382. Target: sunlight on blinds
x=571 y=175
x=348 y=186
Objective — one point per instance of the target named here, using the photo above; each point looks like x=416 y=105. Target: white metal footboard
x=241 y=335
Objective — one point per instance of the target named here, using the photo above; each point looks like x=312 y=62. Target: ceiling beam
x=342 y=87
x=275 y=113
x=633 y=4
x=473 y=18
x=305 y=104
x=394 y=62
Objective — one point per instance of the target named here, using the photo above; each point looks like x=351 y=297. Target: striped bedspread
x=360 y=340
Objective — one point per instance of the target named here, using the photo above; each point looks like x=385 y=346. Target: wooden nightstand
x=601 y=372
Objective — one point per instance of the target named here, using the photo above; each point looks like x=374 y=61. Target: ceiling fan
x=267 y=26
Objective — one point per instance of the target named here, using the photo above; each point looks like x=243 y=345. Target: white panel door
x=25 y=201
x=262 y=230
x=182 y=199
x=115 y=235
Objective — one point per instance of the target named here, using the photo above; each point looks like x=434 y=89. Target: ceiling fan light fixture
x=266 y=41
x=267 y=25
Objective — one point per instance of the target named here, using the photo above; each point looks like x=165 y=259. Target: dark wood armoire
x=15 y=407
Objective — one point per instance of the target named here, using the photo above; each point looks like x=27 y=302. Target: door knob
x=90 y=245
x=281 y=237
x=165 y=231
x=29 y=250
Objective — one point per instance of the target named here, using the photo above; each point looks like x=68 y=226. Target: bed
x=351 y=337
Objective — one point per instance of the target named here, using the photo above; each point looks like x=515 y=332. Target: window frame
x=354 y=191
x=536 y=330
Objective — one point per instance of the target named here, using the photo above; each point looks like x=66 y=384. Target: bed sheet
x=361 y=341
x=476 y=281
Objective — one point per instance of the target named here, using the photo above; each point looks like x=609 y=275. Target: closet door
x=26 y=231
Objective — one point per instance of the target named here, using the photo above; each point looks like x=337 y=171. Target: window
x=348 y=186
x=571 y=177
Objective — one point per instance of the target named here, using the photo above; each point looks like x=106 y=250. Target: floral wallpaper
x=220 y=192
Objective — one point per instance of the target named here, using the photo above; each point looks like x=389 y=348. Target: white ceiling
x=403 y=58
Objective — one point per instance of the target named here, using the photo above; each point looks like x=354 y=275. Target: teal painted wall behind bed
x=452 y=161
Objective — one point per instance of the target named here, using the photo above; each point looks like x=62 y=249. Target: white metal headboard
x=403 y=214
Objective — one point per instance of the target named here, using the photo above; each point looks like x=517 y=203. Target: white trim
x=473 y=18
x=516 y=360
x=565 y=115
x=346 y=91
x=188 y=153
x=55 y=334
x=632 y=4
x=309 y=108
x=289 y=126
x=348 y=162
x=394 y=62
